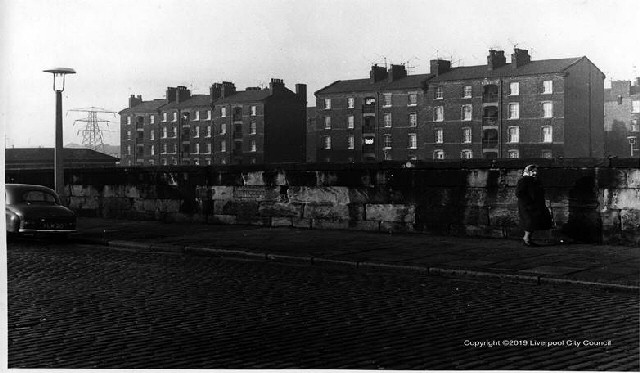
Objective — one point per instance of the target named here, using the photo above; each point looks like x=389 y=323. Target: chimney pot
x=439 y=66
x=495 y=59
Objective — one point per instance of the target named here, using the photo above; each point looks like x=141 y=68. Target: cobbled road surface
x=74 y=306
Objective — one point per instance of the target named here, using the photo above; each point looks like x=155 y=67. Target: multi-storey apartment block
x=622 y=119
x=522 y=109
x=224 y=127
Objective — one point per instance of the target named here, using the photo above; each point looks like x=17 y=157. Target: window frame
x=543 y=137
x=326 y=142
x=438 y=114
x=351 y=102
x=510 y=112
x=470 y=91
x=515 y=135
x=467 y=139
x=463 y=113
x=547 y=84
x=351 y=142
x=438 y=154
x=327 y=104
x=327 y=122
x=350 y=122
x=413 y=119
x=387 y=120
x=438 y=135
x=438 y=93
x=413 y=141
x=515 y=152
x=512 y=91
x=546 y=104
x=387 y=100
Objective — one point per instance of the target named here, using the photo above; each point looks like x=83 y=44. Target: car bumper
x=27 y=230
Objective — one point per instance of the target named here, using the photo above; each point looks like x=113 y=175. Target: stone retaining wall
x=591 y=200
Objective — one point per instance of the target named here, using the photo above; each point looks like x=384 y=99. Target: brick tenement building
x=224 y=127
x=622 y=119
x=522 y=109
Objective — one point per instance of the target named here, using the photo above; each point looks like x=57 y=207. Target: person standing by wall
x=532 y=208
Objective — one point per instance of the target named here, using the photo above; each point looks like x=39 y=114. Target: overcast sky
x=124 y=47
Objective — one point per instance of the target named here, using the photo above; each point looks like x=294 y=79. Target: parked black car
x=35 y=209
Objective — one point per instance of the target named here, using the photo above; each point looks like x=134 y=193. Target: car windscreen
x=38 y=196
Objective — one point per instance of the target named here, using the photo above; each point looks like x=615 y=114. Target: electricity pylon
x=92 y=132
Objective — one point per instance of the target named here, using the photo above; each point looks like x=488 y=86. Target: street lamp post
x=58 y=86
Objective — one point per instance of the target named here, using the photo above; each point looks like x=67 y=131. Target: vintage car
x=35 y=209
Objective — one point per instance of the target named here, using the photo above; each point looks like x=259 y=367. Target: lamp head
x=58 y=77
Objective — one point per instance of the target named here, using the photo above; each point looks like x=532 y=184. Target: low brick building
x=43 y=158
x=523 y=109
x=622 y=119
x=224 y=127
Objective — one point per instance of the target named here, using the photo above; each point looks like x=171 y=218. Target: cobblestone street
x=74 y=306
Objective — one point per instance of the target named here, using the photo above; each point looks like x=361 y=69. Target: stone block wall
x=591 y=200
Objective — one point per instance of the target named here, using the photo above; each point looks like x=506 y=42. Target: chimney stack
x=439 y=66
x=135 y=100
x=621 y=88
x=227 y=89
x=396 y=72
x=377 y=73
x=171 y=94
x=520 y=57
x=301 y=92
x=276 y=86
x=183 y=94
x=495 y=59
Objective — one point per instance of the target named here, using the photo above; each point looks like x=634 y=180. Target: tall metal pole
x=59 y=157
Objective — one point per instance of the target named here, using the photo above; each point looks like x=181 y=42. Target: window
x=128 y=149
x=164 y=117
x=547 y=87
x=634 y=126
x=129 y=120
x=223 y=129
x=514 y=134
x=152 y=150
x=208 y=161
x=174 y=133
x=128 y=135
x=174 y=161
x=387 y=100
x=208 y=114
x=196 y=115
x=254 y=111
x=635 y=106
x=327 y=123
x=438 y=93
x=223 y=112
x=351 y=102
x=619 y=100
x=164 y=148
x=350 y=142
x=209 y=148
x=327 y=142
x=467 y=91
x=466 y=135
x=438 y=154
x=252 y=128
x=413 y=99
x=547 y=134
x=387 y=141
x=514 y=110
x=175 y=148
x=164 y=161
x=467 y=110
x=175 y=117
x=413 y=120
x=547 y=109
x=387 y=119
x=152 y=119
x=514 y=153
x=196 y=148
x=438 y=136
x=327 y=103
x=151 y=162
x=253 y=146
x=466 y=154
x=197 y=133
x=208 y=131
x=196 y=162
x=413 y=141
x=514 y=89
x=350 y=122
x=546 y=154
x=152 y=135
x=223 y=146
x=387 y=156
x=438 y=114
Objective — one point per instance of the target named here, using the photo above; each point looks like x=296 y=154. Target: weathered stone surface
x=256 y=193
x=501 y=216
x=333 y=195
x=281 y=222
x=356 y=211
x=277 y=209
x=363 y=225
x=131 y=191
x=329 y=224
x=75 y=203
x=396 y=227
x=326 y=212
x=109 y=191
x=477 y=178
x=630 y=220
x=244 y=210
x=221 y=192
x=302 y=223
x=359 y=195
x=476 y=196
x=391 y=213
x=253 y=178
x=633 y=178
x=169 y=205
x=222 y=219
x=624 y=198
x=474 y=215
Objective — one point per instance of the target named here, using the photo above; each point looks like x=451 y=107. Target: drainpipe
x=500 y=103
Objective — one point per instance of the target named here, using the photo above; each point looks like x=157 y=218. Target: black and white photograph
x=335 y=185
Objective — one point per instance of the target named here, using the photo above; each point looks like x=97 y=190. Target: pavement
x=604 y=266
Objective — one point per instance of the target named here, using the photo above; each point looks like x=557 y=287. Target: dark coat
x=532 y=209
